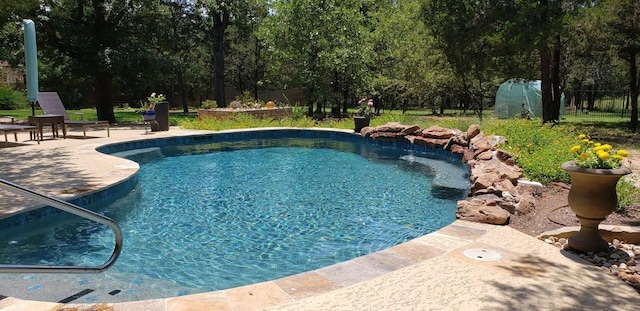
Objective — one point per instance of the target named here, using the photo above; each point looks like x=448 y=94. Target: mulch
x=552 y=212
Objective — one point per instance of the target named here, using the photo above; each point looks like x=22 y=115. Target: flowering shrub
x=366 y=108
x=154 y=99
x=590 y=154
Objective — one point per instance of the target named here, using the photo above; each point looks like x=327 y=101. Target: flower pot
x=360 y=123
x=592 y=198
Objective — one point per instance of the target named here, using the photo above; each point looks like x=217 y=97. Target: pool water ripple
x=217 y=220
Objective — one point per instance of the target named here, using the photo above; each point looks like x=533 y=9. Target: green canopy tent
x=522 y=98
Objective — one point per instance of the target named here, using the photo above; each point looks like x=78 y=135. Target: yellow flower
x=596 y=154
x=603 y=155
x=623 y=153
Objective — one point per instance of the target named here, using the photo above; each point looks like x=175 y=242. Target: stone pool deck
x=464 y=266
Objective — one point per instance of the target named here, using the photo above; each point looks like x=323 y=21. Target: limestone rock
x=473 y=131
x=486 y=175
x=504 y=156
x=433 y=142
x=387 y=136
x=467 y=157
x=486 y=142
x=527 y=203
x=437 y=132
x=460 y=139
x=485 y=155
x=457 y=142
x=458 y=149
x=394 y=127
x=476 y=210
x=503 y=185
x=367 y=131
x=508 y=206
x=512 y=173
x=408 y=130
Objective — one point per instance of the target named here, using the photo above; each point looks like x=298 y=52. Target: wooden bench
x=13 y=128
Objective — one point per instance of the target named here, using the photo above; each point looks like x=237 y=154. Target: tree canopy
x=434 y=54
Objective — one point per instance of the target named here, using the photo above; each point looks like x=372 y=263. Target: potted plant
x=594 y=175
x=364 y=114
x=150 y=113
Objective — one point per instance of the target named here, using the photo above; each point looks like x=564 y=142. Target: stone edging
x=496 y=190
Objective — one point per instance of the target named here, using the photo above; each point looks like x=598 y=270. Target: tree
x=321 y=42
x=547 y=17
x=246 y=66
x=222 y=14
x=95 y=40
x=181 y=40
x=465 y=32
x=408 y=67
x=11 y=35
x=624 y=27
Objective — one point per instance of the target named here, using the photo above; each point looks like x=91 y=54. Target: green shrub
x=246 y=99
x=209 y=104
x=11 y=99
x=627 y=194
x=538 y=149
x=241 y=120
x=298 y=112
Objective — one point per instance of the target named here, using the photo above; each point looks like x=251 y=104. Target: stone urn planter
x=592 y=198
x=360 y=123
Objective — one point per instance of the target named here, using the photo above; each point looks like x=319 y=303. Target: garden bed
x=226 y=113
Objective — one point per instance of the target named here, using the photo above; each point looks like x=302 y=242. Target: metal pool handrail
x=73 y=209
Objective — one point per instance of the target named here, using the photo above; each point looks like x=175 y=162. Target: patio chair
x=51 y=103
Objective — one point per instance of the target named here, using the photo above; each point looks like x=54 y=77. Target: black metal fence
x=598 y=104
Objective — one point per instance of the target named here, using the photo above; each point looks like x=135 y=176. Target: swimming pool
x=258 y=185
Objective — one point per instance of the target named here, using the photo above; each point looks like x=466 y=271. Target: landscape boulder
x=480 y=210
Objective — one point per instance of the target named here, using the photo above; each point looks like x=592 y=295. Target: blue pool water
x=209 y=220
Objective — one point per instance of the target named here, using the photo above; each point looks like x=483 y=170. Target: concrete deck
x=464 y=266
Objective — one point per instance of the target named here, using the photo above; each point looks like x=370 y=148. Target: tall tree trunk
x=634 y=89
x=220 y=24
x=180 y=74
x=545 y=82
x=104 y=78
x=256 y=70
x=104 y=102
x=555 y=81
x=182 y=90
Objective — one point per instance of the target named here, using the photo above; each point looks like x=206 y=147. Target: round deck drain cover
x=482 y=254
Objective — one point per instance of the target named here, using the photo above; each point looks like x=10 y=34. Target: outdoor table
x=52 y=119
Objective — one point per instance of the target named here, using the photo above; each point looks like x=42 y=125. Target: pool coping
x=372 y=277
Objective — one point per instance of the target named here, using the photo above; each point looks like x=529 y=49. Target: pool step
x=143 y=155
x=87 y=288
x=450 y=181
